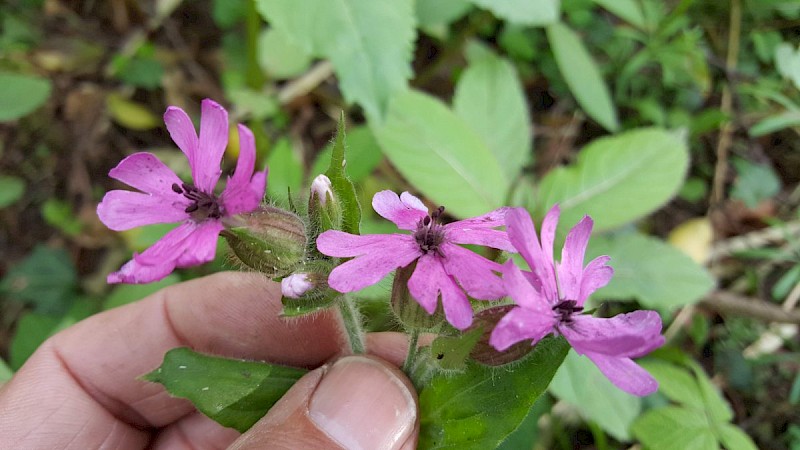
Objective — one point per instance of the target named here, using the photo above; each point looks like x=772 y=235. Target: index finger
x=93 y=366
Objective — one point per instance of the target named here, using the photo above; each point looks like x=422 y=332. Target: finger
x=92 y=367
x=358 y=402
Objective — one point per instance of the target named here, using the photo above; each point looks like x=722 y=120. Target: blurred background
x=83 y=83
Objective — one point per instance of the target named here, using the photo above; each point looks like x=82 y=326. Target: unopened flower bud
x=324 y=211
x=485 y=353
x=296 y=285
x=406 y=308
x=270 y=240
x=321 y=189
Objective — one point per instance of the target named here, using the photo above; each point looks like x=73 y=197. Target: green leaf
x=656 y=274
x=482 y=406
x=363 y=155
x=674 y=428
x=129 y=114
x=11 y=190
x=754 y=183
x=279 y=56
x=369 y=43
x=733 y=438
x=528 y=431
x=675 y=382
x=775 y=123
x=618 y=179
x=285 y=170
x=580 y=383
x=490 y=99
x=628 y=10
x=32 y=330
x=233 y=392
x=58 y=213
x=342 y=187
x=21 y=94
x=440 y=12
x=46 y=278
x=582 y=75
x=129 y=293
x=523 y=12
x=5 y=372
x=716 y=406
x=441 y=156
x=451 y=352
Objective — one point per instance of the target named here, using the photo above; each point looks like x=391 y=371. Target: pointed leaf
x=617 y=179
x=343 y=188
x=482 y=406
x=582 y=75
x=523 y=12
x=363 y=155
x=20 y=95
x=490 y=99
x=733 y=438
x=441 y=156
x=627 y=10
x=369 y=42
x=674 y=428
x=233 y=392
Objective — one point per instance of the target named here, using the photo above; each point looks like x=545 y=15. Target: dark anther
x=430 y=233
x=177 y=189
x=191 y=208
x=566 y=308
x=202 y=206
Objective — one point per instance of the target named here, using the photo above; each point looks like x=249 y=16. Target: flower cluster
x=548 y=299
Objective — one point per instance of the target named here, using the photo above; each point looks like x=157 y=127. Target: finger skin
x=82 y=383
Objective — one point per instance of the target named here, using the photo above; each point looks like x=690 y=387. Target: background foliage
x=673 y=123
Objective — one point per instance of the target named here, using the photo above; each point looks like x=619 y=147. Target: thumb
x=359 y=402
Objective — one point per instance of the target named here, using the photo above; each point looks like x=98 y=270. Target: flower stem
x=351 y=318
x=412 y=351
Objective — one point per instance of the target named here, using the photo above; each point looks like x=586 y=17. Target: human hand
x=81 y=388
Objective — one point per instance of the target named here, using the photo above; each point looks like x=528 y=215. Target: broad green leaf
x=528 y=432
x=775 y=123
x=21 y=94
x=482 y=406
x=363 y=155
x=32 y=330
x=369 y=42
x=754 y=182
x=675 y=382
x=11 y=190
x=58 y=213
x=342 y=187
x=628 y=10
x=46 y=278
x=580 y=383
x=5 y=372
x=440 y=12
x=285 y=170
x=655 y=273
x=441 y=156
x=674 y=428
x=451 y=352
x=717 y=407
x=233 y=392
x=582 y=75
x=122 y=294
x=490 y=99
x=733 y=438
x=279 y=56
x=523 y=12
x=618 y=179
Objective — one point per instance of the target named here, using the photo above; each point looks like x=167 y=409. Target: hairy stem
x=351 y=318
x=412 y=351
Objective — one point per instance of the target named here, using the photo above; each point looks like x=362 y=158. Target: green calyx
x=269 y=240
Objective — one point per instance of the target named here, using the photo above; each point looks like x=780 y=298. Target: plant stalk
x=412 y=351
x=351 y=318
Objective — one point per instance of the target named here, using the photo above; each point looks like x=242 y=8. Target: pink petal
x=181 y=129
x=344 y=245
x=200 y=246
x=405 y=212
x=570 y=269
x=624 y=335
x=159 y=260
x=492 y=219
x=145 y=172
x=518 y=325
x=595 y=275
x=123 y=210
x=522 y=234
x=625 y=374
x=475 y=273
x=549 y=225
x=519 y=288
x=428 y=280
x=213 y=140
x=479 y=231
x=373 y=264
x=244 y=191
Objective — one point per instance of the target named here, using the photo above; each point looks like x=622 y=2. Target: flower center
x=430 y=233
x=566 y=308
x=203 y=206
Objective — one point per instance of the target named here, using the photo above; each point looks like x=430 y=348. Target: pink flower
x=441 y=264
x=164 y=198
x=550 y=297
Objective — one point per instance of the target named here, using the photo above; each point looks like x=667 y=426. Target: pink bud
x=321 y=188
x=295 y=285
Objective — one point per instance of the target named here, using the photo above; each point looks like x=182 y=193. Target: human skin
x=81 y=388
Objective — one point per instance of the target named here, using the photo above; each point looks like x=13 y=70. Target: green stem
x=352 y=324
x=412 y=351
x=254 y=76
x=599 y=436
